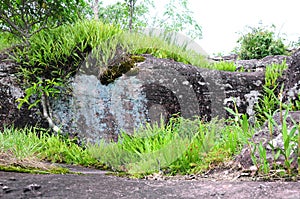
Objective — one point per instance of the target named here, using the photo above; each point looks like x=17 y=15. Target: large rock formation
x=153 y=89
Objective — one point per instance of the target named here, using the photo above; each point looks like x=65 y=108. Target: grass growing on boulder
x=55 y=55
x=224 y=65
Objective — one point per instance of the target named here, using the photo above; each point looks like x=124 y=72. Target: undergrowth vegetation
x=179 y=147
x=223 y=65
x=271 y=98
x=54 y=52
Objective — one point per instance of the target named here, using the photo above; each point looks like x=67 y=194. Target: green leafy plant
x=260 y=42
x=273 y=73
x=289 y=138
x=289 y=143
x=264 y=164
x=271 y=98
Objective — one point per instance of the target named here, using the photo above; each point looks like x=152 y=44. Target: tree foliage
x=128 y=14
x=178 y=17
x=135 y=14
x=24 y=18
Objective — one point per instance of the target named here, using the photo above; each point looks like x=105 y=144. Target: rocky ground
x=97 y=184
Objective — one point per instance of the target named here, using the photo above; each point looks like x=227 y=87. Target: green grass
x=223 y=65
x=57 y=52
x=180 y=147
x=28 y=146
x=271 y=97
x=183 y=146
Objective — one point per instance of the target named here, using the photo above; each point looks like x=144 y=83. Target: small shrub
x=260 y=42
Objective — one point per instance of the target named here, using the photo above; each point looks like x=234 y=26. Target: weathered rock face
x=159 y=88
x=266 y=136
x=256 y=65
x=10 y=91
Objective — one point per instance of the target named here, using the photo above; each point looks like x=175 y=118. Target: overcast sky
x=222 y=20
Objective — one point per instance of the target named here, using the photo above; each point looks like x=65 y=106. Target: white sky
x=222 y=20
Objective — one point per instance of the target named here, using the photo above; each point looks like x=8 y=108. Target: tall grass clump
x=181 y=146
x=213 y=144
x=57 y=52
x=223 y=65
x=162 y=47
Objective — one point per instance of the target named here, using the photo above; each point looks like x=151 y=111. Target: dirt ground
x=97 y=184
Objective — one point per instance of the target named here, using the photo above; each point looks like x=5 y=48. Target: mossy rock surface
x=125 y=64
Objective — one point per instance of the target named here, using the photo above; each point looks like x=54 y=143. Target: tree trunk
x=96 y=9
